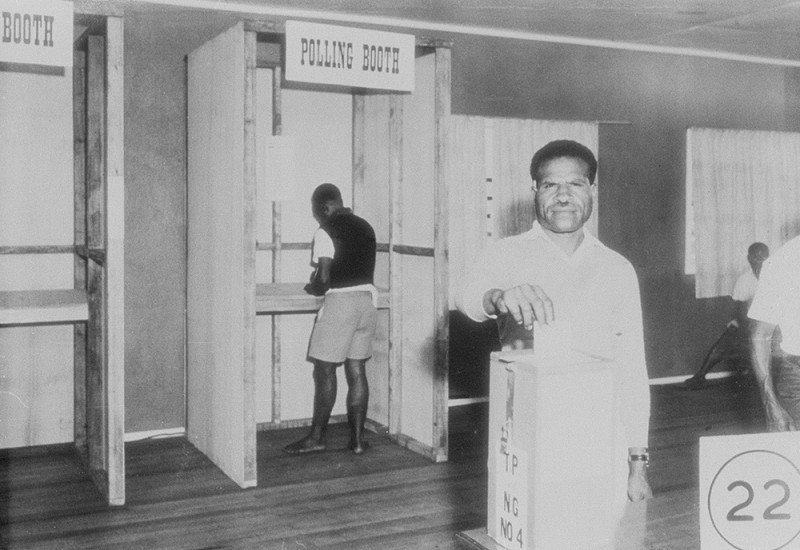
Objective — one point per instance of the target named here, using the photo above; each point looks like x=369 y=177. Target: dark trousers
x=786 y=372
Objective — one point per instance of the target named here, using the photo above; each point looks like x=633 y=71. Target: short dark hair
x=564 y=148
x=757 y=247
x=325 y=193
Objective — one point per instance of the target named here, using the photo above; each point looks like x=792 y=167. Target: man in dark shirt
x=343 y=254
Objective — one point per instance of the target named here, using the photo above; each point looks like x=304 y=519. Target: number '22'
x=769 y=513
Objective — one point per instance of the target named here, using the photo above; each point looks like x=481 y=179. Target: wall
x=642 y=161
x=155 y=194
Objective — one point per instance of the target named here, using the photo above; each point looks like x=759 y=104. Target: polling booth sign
x=750 y=491
x=343 y=56
x=35 y=33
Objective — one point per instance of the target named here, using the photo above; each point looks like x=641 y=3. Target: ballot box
x=554 y=452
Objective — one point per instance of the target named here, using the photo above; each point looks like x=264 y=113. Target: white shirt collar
x=589 y=240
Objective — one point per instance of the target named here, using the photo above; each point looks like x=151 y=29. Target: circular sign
x=754 y=501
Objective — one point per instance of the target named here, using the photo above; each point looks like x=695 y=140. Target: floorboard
x=388 y=498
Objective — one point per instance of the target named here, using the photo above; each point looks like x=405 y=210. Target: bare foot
x=359 y=448
x=306 y=445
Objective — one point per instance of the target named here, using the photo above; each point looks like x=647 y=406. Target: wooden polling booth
x=259 y=144
x=62 y=247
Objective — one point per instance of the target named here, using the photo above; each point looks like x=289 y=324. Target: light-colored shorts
x=344 y=327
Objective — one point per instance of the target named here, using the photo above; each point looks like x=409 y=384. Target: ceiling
x=759 y=28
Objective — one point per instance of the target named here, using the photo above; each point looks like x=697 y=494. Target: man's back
x=354 y=243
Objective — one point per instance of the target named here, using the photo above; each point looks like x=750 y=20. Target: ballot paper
x=551 y=340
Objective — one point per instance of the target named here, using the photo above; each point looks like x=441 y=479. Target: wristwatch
x=641 y=457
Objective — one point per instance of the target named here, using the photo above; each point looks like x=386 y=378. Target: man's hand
x=638 y=486
x=778 y=420
x=525 y=303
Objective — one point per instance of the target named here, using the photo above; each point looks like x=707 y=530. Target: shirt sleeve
x=634 y=384
x=483 y=276
x=768 y=297
x=322 y=246
x=743 y=289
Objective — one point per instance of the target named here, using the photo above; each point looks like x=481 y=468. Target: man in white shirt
x=734 y=343
x=559 y=271
x=777 y=306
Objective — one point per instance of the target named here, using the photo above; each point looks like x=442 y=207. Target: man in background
x=734 y=343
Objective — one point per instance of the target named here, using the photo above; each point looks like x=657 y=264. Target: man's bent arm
x=760 y=354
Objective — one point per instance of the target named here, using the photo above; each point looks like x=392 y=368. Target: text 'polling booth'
x=276 y=109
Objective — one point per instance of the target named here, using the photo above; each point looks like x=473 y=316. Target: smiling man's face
x=564 y=195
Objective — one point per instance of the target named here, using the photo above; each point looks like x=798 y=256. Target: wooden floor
x=388 y=498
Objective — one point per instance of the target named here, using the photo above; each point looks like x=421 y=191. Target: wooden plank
x=429 y=42
x=26 y=307
x=79 y=228
x=395 y=264
x=415 y=280
x=219 y=390
x=114 y=291
x=409 y=250
x=441 y=393
x=96 y=434
x=277 y=130
x=371 y=199
x=97 y=7
x=279 y=28
x=265 y=27
x=40 y=249
x=10 y=66
x=95 y=143
x=97 y=255
x=359 y=156
x=284 y=246
x=273 y=298
x=248 y=243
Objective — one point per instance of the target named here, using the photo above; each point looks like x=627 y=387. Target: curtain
x=742 y=187
x=489 y=180
x=467 y=229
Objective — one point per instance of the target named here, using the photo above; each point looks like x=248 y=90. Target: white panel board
x=36 y=202
x=221 y=244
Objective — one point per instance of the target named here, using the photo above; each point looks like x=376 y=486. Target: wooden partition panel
x=114 y=289
x=414 y=245
x=441 y=265
x=100 y=383
x=400 y=170
x=79 y=231
x=221 y=253
x=96 y=235
x=374 y=176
